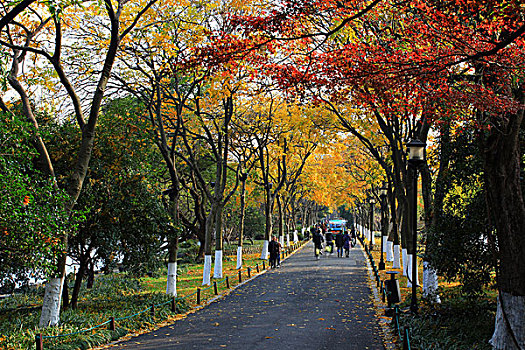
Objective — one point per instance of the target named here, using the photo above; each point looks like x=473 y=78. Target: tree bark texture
x=507 y=212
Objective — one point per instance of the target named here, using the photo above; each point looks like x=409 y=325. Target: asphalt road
x=305 y=304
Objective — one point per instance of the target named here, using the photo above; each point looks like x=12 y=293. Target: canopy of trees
x=130 y=126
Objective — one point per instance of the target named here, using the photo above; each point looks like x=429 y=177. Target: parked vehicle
x=337 y=226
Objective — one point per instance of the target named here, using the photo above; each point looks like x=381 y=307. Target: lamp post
x=372 y=201
x=416 y=151
x=384 y=191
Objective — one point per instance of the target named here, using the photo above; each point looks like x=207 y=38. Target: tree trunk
x=83 y=266
x=281 y=220
x=210 y=221
x=171 y=281
x=268 y=226
x=217 y=272
x=91 y=275
x=241 y=223
x=65 y=295
x=507 y=212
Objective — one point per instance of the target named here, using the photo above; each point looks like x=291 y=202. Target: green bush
x=458 y=323
x=459 y=249
x=188 y=250
x=112 y=296
x=254 y=223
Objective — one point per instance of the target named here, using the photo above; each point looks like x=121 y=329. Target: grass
x=458 y=323
x=118 y=296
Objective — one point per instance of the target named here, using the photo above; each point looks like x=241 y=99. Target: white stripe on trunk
x=397 y=258
x=171 y=285
x=217 y=271
x=405 y=261
x=239 y=257
x=385 y=239
x=515 y=315
x=410 y=259
x=295 y=236
x=281 y=240
x=408 y=270
x=51 y=305
x=264 y=252
x=389 y=251
x=206 y=271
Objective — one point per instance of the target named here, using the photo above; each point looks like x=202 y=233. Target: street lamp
x=383 y=194
x=372 y=201
x=416 y=153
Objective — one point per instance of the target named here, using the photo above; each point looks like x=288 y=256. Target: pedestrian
x=339 y=244
x=346 y=243
x=329 y=242
x=274 y=250
x=318 y=239
x=313 y=230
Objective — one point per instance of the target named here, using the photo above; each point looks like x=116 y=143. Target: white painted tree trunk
x=295 y=236
x=264 y=252
x=410 y=260
x=287 y=239
x=171 y=284
x=51 y=304
x=206 y=272
x=217 y=271
x=430 y=283
x=389 y=251
x=407 y=268
x=281 y=240
x=239 y=258
x=405 y=261
x=514 y=307
x=385 y=240
x=397 y=258
x=303 y=230
x=372 y=237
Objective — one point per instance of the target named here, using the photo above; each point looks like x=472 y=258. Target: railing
x=405 y=337
x=199 y=298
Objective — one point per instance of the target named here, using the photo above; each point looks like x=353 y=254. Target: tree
x=31 y=213
x=23 y=40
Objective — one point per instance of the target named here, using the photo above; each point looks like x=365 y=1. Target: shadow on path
x=305 y=304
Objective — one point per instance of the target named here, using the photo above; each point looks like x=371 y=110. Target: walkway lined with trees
x=307 y=303
x=140 y=135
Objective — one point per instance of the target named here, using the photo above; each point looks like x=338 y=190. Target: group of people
x=274 y=248
x=320 y=234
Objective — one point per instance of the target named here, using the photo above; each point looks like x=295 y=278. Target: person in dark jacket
x=274 y=248
x=346 y=244
x=339 y=244
x=313 y=230
x=330 y=241
x=318 y=239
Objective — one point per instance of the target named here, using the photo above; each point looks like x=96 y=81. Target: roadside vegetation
x=117 y=295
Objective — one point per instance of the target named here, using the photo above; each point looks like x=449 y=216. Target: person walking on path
x=296 y=308
x=275 y=248
x=318 y=239
x=313 y=230
x=329 y=242
x=339 y=244
x=346 y=244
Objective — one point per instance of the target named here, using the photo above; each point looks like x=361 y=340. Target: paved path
x=305 y=304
